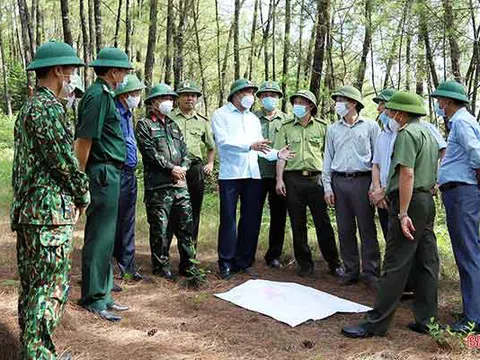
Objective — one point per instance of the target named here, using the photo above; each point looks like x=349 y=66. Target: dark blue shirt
x=127 y=129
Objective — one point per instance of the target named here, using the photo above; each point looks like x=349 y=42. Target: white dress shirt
x=234 y=133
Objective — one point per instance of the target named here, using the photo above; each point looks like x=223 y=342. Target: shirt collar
x=457 y=114
x=359 y=120
x=121 y=109
x=298 y=122
x=232 y=108
x=180 y=113
x=276 y=116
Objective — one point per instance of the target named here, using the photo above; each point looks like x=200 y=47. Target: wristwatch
x=402 y=215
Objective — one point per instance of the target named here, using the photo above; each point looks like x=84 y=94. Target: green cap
x=161 y=89
x=130 y=83
x=384 y=95
x=351 y=93
x=111 y=58
x=189 y=87
x=269 y=86
x=241 y=84
x=76 y=81
x=306 y=95
x=452 y=90
x=408 y=102
x=54 y=53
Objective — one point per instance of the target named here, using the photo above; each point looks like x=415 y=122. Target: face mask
x=70 y=101
x=341 y=109
x=269 y=103
x=247 y=101
x=299 y=111
x=132 y=101
x=67 y=89
x=394 y=125
x=439 y=111
x=165 y=107
x=384 y=119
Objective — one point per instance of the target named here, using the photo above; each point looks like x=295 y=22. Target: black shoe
x=274 y=264
x=250 y=272
x=305 y=271
x=66 y=356
x=117 y=307
x=116 y=288
x=407 y=295
x=359 y=331
x=338 y=271
x=165 y=273
x=225 y=273
x=418 y=327
x=464 y=325
x=346 y=280
x=106 y=315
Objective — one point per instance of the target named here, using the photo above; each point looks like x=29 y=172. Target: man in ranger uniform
x=49 y=194
x=303 y=186
x=165 y=165
x=271 y=119
x=100 y=149
x=197 y=133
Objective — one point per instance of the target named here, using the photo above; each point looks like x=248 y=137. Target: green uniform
x=162 y=146
x=302 y=177
x=47 y=185
x=99 y=120
x=414 y=148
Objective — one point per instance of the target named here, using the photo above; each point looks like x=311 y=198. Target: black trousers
x=303 y=192
x=278 y=219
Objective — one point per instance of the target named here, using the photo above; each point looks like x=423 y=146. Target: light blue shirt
x=384 y=148
x=463 y=150
x=348 y=148
x=234 y=133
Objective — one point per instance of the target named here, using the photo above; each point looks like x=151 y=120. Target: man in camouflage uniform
x=165 y=165
x=271 y=120
x=49 y=194
x=197 y=133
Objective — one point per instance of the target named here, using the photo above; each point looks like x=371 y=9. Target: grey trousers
x=352 y=208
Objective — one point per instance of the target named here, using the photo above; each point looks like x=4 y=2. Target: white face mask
x=132 y=101
x=394 y=125
x=247 y=101
x=67 y=89
x=70 y=101
x=341 y=108
x=165 y=107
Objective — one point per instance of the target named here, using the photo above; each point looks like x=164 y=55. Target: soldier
x=165 y=164
x=197 y=133
x=100 y=149
x=49 y=194
x=127 y=98
x=347 y=175
x=303 y=185
x=271 y=120
x=459 y=179
x=411 y=240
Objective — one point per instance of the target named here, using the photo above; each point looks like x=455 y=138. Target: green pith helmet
x=306 y=95
x=408 y=102
x=76 y=81
x=130 y=83
x=384 y=95
x=188 y=87
x=452 y=90
x=161 y=89
x=269 y=86
x=54 y=53
x=111 y=58
x=241 y=84
x=351 y=93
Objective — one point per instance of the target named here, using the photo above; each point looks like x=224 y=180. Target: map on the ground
x=287 y=302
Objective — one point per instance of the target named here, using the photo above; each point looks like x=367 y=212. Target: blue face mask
x=269 y=103
x=384 y=119
x=439 y=111
x=299 y=110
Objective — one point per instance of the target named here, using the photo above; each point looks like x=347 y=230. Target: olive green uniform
x=304 y=189
x=414 y=148
x=99 y=120
x=197 y=134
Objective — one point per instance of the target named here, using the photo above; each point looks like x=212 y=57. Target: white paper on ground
x=290 y=303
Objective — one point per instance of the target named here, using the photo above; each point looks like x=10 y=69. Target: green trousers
x=44 y=263
x=100 y=229
x=400 y=256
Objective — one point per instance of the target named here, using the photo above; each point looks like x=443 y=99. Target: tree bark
x=219 y=66
x=98 y=24
x=179 y=43
x=199 y=53
x=168 y=43
x=452 y=40
x=236 y=46
x=362 y=66
x=274 y=50
x=86 y=41
x=266 y=32
x=152 y=40
x=428 y=50
x=300 y=45
x=39 y=22
x=91 y=28
x=323 y=13
x=27 y=43
x=117 y=24
x=286 y=51
x=249 y=69
x=67 y=31
x=128 y=28
x=420 y=66
x=6 y=93
x=307 y=72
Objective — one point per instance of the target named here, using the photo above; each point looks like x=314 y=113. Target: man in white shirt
x=239 y=140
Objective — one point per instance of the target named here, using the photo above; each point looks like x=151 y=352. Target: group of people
x=297 y=160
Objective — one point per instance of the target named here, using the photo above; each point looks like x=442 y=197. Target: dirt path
x=167 y=321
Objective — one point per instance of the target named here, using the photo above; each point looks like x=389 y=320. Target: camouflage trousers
x=44 y=263
x=170 y=207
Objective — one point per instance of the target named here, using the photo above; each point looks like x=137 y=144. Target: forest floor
x=168 y=321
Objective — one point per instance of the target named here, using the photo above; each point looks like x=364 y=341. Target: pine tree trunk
x=249 y=69
x=152 y=40
x=307 y=72
x=6 y=94
x=117 y=24
x=86 y=41
x=428 y=50
x=236 y=47
x=362 y=66
x=274 y=43
x=452 y=40
x=266 y=32
x=67 y=31
x=300 y=45
x=128 y=28
x=179 y=43
x=98 y=24
x=199 y=53
x=39 y=23
x=221 y=88
x=323 y=13
x=91 y=28
x=27 y=44
x=286 y=51
x=168 y=41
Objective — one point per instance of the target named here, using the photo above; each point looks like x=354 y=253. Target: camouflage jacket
x=46 y=180
x=162 y=146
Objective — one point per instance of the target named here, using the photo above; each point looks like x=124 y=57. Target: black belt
x=451 y=185
x=304 y=172
x=353 y=174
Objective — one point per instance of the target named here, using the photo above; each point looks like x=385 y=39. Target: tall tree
x=266 y=32
x=323 y=13
x=117 y=23
x=6 y=93
x=286 y=51
x=249 y=68
x=428 y=50
x=67 y=31
x=196 y=11
x=86 y=40
x=274 y=42
x=39 y=23
x=362 y=66
x=300 y=45
x=152 y=40
x=221 y=87
x=236 y=46
x=26 y=39
x=179 y=42
x=168 y=42
x=128 y=28
x=452 y=40
x=91 y=28
x=97 y=8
